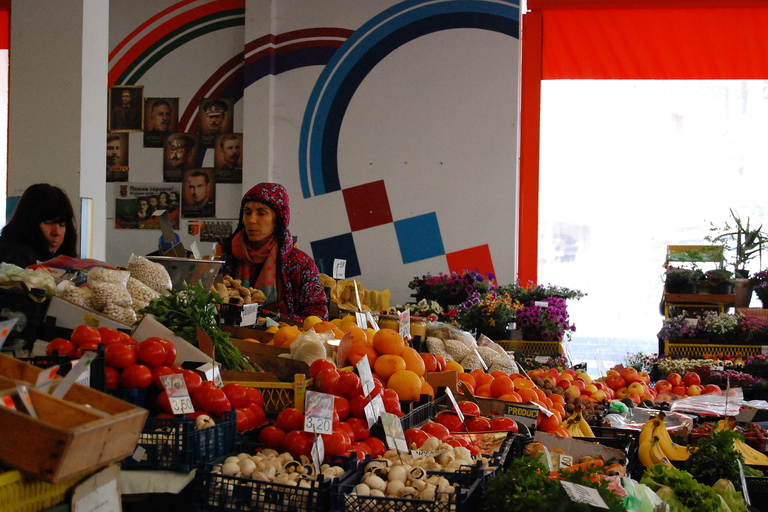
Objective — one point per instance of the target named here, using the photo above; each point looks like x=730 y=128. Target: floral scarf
x=250 y=258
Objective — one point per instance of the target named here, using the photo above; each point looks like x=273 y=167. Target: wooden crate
x=79 y=434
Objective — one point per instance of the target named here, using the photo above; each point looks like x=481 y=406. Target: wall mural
x=346 y=57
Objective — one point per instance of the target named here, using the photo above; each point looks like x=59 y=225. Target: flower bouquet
x=490 y=312
x=451 y=289
x=547 y=323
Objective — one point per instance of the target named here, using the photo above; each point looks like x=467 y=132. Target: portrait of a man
x=126 y=108
x=161 y=120
x=214 y=118
x=228 y=158
x=198 y=193
x=117 y=157
x=180 y=154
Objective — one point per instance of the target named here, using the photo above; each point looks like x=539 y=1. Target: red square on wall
x=474 y=259
x=367 y=205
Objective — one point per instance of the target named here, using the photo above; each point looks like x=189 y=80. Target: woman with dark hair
x=261 y=254
x=42 y=227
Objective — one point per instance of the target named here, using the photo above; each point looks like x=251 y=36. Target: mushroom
x=417 y=473
x=362 y=490
x=397 y=473
x=408 y=492
x=375 y=483
x=230 y=469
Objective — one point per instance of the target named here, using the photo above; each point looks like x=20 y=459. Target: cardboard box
x=185 y=351
x=443 y=380
x=100 y=491
x=69 y=316
x=268 y=358
x=71 y=437
x=576 y=448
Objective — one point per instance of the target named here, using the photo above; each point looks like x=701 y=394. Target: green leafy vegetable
x=715 y=457
x=730 y=495
x=692 y=495
x=184 y=311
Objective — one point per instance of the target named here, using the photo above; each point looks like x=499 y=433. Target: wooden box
x=77 y=435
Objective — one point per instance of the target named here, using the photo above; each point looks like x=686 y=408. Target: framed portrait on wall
x=228 y=158
x=126 y=108
x=161 y=118
x=117 y=157
x=215 y=116
x=179 y=155
x=198 y=193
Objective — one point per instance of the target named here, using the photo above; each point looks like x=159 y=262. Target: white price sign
x=339 y=269
x=393 y=431
x=318 y=416
x=366 y=378
x=178 y=394
x=455 y=404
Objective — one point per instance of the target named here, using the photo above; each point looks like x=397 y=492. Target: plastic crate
x=699 y=350
x=280 y=395
x=539 y=348
x=98 y=378
x=757 y=488
x=19 y=493
x=175 y=444
x=221 y=493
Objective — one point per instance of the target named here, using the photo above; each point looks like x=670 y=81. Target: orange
x=358 y=350
x=484 y=390
x=514 y=376
x=483 y=394
x=453 y=366
x=324 y=326
x=558 y=407
x=511 y=397
x=413 y=361
x=501 y=385
x=387 y=341
x=440 y=363
x=406 y=384
x=523 y=383
x=527 y=394
x=426 y=389
x=387 y=364
x=499 y=373
x=310 y=321
x=286 y=335
x=468 y=385
x=557 y=399
x=485 y=378
x=469 y=379
x=430 y=362
x=542 y=395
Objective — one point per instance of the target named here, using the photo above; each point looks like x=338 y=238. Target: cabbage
x=730 y=496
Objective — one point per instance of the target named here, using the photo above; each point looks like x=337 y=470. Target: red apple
x=553 y=373
x=579 y=383
x=565 y=384
x=643 y=376
x=663 y=386
x=586 y=393
x=569 y=371
x=635 y=398
x=691 y=378
x=694 y=390
x=680 y=390
x=629 y=374
x=675 y=379
x=538 y=372
x=615 y=382
x=637 y=388
x=599 y=385
x=712 y=389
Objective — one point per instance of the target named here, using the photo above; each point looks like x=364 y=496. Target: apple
x=675 y=379
x=622 y=393
x=564 y=383
x=550 y=380
x=566 y=376
x=643 y=376
x=691 y=378
x=664 y=396
x=615 y=382
x=579 y=383
x=712 y=389
x=694 y=390
x=637 y=388
x=569 y=371
x=611 y=372
x=599 y=396
x=732 y=392
x=586 y=393
x=581 y=374
x=648 y=396
x=635 y=398
x=663 y=386
x=553 y=373
x=680 y=390
x=629 y=374
x=591 y=387
x=573 y=391
x=538 y=372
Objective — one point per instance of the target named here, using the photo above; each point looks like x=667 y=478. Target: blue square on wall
x=419 y=238
x=341 y=247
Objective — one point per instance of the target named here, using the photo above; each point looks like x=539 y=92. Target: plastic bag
x=105 y=294
x=640 y=497
x=81 y=296
x=38 y=278
x=141 y=292
x=150 y=273
x=119 y=277
x=124 y=315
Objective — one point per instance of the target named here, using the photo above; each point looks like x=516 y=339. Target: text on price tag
x=178 y=394
x=318 y=415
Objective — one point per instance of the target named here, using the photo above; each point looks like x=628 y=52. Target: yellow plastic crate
x=698 y=350
x=28 y=494
x=539 y=348
x=279 y=395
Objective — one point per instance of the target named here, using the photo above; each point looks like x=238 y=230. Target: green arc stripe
x=176 y=40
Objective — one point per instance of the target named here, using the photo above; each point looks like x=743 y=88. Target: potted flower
x=545 y=322
x=720 y=327
x=759 y=283
x=488 y=313
x=451 y=289
x=720 y=278
x=677 y=327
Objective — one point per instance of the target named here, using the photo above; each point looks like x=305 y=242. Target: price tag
x=485 y=366
x=7 y=401
x=6 y=326
x=362 y=321
x=27 y=402
x=600 y=365
x=378 y=406
x=541 y=303
x=582 y=494
x=404 y=317
x=370 y=414
x=318 y=452
x=541 y=359
x=271 y=323
x=339 y=269
x=318 y=416
x=212 y=373
x=178 y=394
x=372 y=321
x=393 y=431
x=77 y=369
x=45 y=378
x=718 y=367
x=691 y=322
x=139 y=454
x=764 y=350
x=366 y=378
x=455 y=404
x=357 y=296
x=525 y=414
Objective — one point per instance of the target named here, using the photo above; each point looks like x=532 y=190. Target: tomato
x=480 y=424
x=273 y=437
x=357 y=406
x=326 y=379
x=457 y=441
x=377 y=446
x=360 y=428
x=437 y=430
x=450 y=420
x=335 y=443
x=299 y=443
x=341 y=406
x=170 y=351
x=360 y=449
x=65 y=347
x=135 y=376
x=503 y=423
x=346 y=429
x=254 y=395
x=320 y=364
x=192 y=378
x=119 y=356
x=126 y=338
x=378 y=388
x=258 y=413
x=390 y=393
x=218 y=403
x=85 y=334
x=468 y=408
x=163 y=403
x=112 y=377
x=290 y=419
x=236 y=394
x=158 y=372
x=150 y=352
x=392 y=406
x=85 y=347
x=245 y=419
x=109 y=335
x=347 y=385
x=415 y=437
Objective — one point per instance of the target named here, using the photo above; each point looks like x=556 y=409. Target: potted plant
x=545 y=323
x=488 y=313
x=682 y=280
x=759 y=283
x=720 y=278
x=451 y=289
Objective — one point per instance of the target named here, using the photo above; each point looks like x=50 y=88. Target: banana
x=573 y=428
x=584 y=427
x=647 y=431
x=751 y=456
x=657 y=455
x=672 y=450
x=644 y=453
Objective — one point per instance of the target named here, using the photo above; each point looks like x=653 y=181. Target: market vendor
x=42 y=227
x=262 y=255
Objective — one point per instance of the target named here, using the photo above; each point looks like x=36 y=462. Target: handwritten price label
x=318 y=418
x=178 y=394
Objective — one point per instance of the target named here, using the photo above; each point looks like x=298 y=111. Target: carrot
x=584 y=465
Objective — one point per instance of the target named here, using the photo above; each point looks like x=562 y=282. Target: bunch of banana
x=751 y=456
x=650 y=453
x=654 y=432
x=577 y=425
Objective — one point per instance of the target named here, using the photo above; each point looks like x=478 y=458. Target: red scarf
x=250 y=257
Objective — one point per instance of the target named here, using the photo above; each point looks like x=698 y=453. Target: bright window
x=628 y=167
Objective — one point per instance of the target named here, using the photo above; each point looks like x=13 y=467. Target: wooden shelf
x=699 y=298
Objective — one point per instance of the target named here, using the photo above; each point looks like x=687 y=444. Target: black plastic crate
x=222 y=493
x=143 y=398
x=175 y=444
x=98 y=378
x=757 y=487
